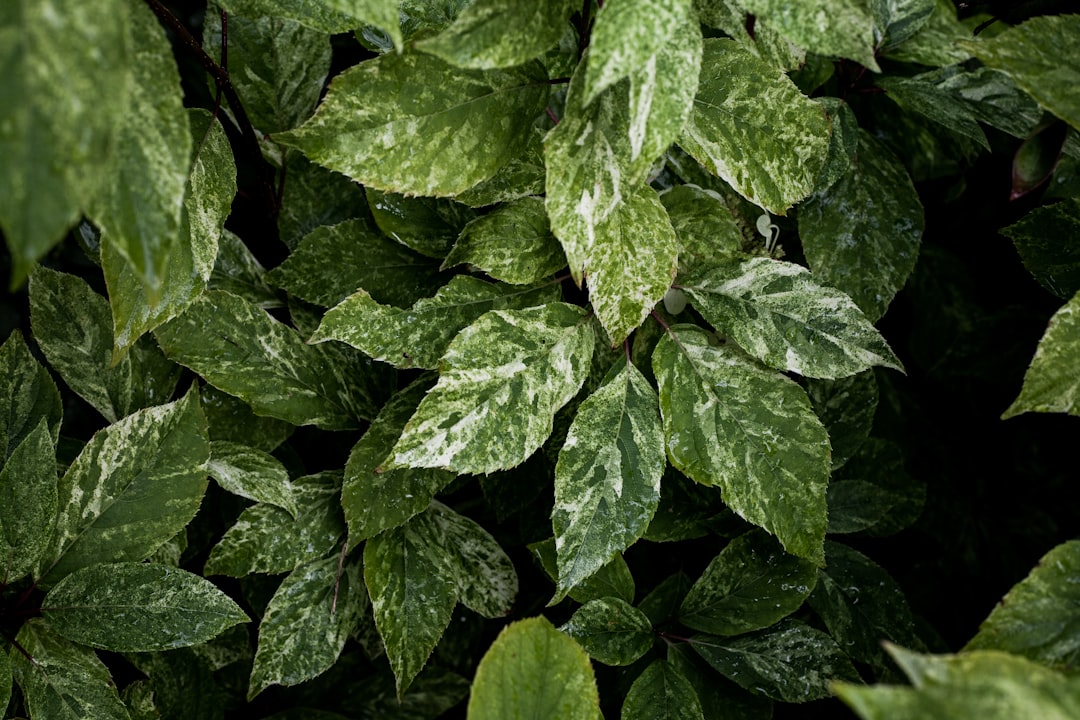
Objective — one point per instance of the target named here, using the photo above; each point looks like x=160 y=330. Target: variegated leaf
x=28 y=503
x=418 y=336
x=329 y=16
x=28 y=396
x=778 y=314
x=896 y=21
x=607 y=479
x=501 y=381
x=611 y=630
x=251 y=473
x=705 y=228
x=662 y=691
x=751 y=126
x=411 y=123
x=139 y=607
x=307 y=622
x=844 y=28
x=731 y=423
x=861 y=235
x=134 y=486
x=1052 y=383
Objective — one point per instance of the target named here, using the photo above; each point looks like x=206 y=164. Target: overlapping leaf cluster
x=533 y=275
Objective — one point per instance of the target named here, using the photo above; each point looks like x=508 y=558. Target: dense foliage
x=565 y=394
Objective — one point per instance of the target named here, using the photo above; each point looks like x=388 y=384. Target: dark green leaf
x=314 y=196
x=611 y=630
x=890 y=499
x=933 y=103
x=846 y=408
x=771 y=161
x=791 y=661
x=1052 y=382
x=138 y=607
x=842 y=143
x=705 y=228
x=896 y=21
x=513 y=679
x=237 y=271
x=28 y=396
x=991 y=96
x=134 y=486
x=750 y=585
x=750 y=431
x=5 y=681
x=720 y=698
x=857 y=505
x=662 y=603
x=332 y=262
x=184 y=686
x=661 y=693
x=430 y=226
x=232 y=420
x=328 y=16
x=410 y=123
x=862 y=234
x=935 y=42
x=1042 y=237
x=251 y=473
x=307 y=622
x=28 y=504
x=836 y=27
x=612 y=580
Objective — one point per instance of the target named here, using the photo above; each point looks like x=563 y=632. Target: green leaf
x=846 y=408
x=65 y=77
x=991 y=96
x=332 y=262
x=862 y=234
x=328 y=16
x=237 y=271
x=662 y=603
x=720 y=698
x=1041 y=238
x=926 y=99
x=607 y=479
x=1042 y=56
x=1037 y=618
x=307 y=622
x=28 y=396
x=661 y=692
x=251 y=473
x=5 y=681
x=267 y=539
x=501 y=33
x=842 y=143
x=748 y=430
x=314 y=196
x=73 y=329
x=896 y=21
x=1052 y=382
x=486 y=579
x=244 y=351
x=772 y=162
x=886 y=499
x=778 y=314
x=861 y=604
x=211 y=190
x=134 y=486
x=184 y=686
x=612 y=580
x=277 y=66
x=844 y=28
x=140 y=206
x=418 y=336
x=231 y=419
x=430 y=226
x=513 y=680
x=65 y=681
x=501 y=381
x=705 y=229
x=984 y=684
x=410 y=123
x=611 y=630
x=625 y=38
x=790 y=661
x=522 y=176
x=378 y=501
x=750 y=585
x=512 y=243
x=856 y=505
x=138 y=607
x=28 y=503
x=601 y=153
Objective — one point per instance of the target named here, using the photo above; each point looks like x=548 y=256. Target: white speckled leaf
x=66 y=681
x=329 y=16
x=522 y=176
x=611 y=630
x=251 y=473
x=935 y=104
x=138 y=607
x=418 y=336
x=378 y=501
x=28 y=503
x=486 y=580
x=626 y=35
x=501 y=33
x=843 y=28
x=661 y=691
x=501 y=381
x=749 y=430
x=1043 y=57
x=140 y=206
x=750 y=585
x=1044 y=240
x=238 y=271
x=307 y=622
x=65 y=77
x=28 y=396
x=211 y=190
x=428 y=225
x=842 y=142
x=612 y=580
x=266 y=539
x=244 y=351
x=705 y=228
x=599 y=153
x=862 y=234
x=332 y=262
x=791 y=661
x=534 y=671
x=1052 y=382
x=134 y=486
x=607 y=479
x=512 y=243
x=752 y=127
x=780 y=315
x=411 y=123
x=73 y=329
x=896 y=21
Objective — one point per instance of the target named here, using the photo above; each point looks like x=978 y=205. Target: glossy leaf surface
x=28 y=503
x=611 y=630
x=837 y=27
x=28 y=397
x=1051 y=383
x=251 y=473
x=661 y=691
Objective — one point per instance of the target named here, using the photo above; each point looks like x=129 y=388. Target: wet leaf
x=1041 y=239
x=661 y=691
x=251 y=473
x=28 y=397
x=1052 y=383
x=28 y=503
x=611 y=630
